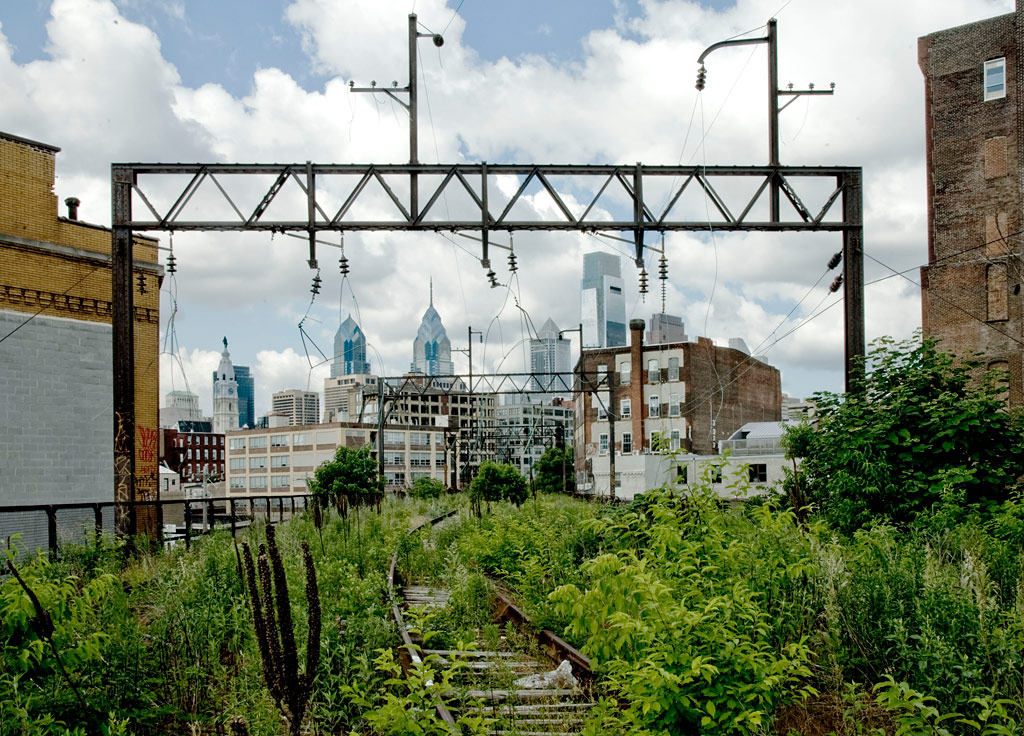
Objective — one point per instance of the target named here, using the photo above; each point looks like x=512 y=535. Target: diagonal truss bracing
x=478 y=181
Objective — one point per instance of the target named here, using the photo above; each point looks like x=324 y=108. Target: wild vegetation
x=899 y=610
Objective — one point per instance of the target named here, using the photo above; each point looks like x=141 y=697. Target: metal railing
x=756 y=446
x=199 y=516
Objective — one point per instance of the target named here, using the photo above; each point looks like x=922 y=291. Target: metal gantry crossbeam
x=477 y=182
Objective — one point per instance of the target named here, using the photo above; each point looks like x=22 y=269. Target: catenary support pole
x=853 y=276
x=122 y=318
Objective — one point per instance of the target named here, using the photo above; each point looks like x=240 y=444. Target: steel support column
x=122 y=317
x=853 y=276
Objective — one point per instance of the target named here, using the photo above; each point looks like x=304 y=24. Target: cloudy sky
x=562 y=81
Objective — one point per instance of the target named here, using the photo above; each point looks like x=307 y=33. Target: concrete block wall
x=56 y=419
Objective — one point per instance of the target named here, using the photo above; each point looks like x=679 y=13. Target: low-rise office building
x=280 y=459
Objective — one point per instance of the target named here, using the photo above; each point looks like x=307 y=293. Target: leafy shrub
x=426 y=488
x=921 y=429
x=494 y=482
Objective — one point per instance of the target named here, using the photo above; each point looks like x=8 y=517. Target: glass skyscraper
x=602 y=302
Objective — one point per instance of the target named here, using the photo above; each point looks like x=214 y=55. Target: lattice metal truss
x=311 y=206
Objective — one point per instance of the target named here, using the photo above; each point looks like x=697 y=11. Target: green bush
x=494 y=482
x=921 y=430
x=426 y=488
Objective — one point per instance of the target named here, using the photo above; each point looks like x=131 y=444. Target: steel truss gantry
x=326 y=198
x=841 y=212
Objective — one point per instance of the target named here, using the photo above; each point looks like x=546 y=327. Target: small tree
x=426 y=488
x=494 y=482
x=920 y=429
x=547 y=472
x=351 y=474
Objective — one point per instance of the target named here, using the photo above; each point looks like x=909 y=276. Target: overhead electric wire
x=948 y=301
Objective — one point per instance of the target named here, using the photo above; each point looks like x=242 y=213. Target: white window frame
x=280 y=481
x=673 y=442
x=654 y=406
x=673 y=405
x=673 y=369
x=602 y=405
x=624 y=373
x=991 y=93
x=627 y=443
x=259 y=462
x=653 y=371
x=625 y=408
x=602 y=444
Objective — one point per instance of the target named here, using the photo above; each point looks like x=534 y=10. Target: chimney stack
x=72 y=203
x=637 y=378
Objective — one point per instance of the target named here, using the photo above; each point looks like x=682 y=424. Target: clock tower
x=225 y=395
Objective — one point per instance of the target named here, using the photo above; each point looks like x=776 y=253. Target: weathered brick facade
x=59 y=267
x=971 y=286
x=699 y=390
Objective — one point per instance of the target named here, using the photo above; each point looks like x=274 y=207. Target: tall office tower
x=225 y=395
x=349 y=350
x=666 y=328
x=301 y=407
x=432 y=350
x=549 y=354
x=246 y=396
x=602 y=303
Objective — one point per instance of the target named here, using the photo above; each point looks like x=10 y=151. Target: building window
x=657 y=443
x=995 y=79
x=279 y=440
x=716 y=474
x=303 y=438
x=238 y=463
x=419 y=439
x=237 y=483
x=279 y=461
x=673 y=405
x=257 y=463
x=602 y=444
x=394 y=458
x=627 y=443
x=277 y=482
x=653 y=371
x=625 y=409
x=673 y=442
x=602 y=405
x=419 y=459
x=758 y=473
x=237 y=443
x=673 y=369
x=654 y=407
x=394 y=438
x=681 y=474
x=258 y=481
x=257 y=442
x=624 y=373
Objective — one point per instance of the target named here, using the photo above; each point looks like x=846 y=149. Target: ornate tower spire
x=431 y=291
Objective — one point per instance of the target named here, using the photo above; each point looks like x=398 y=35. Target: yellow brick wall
x=76 y=287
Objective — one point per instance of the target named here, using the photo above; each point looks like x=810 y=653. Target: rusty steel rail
x=534 y=706
x=410 y=653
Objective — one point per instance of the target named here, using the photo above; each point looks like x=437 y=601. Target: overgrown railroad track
x=529 y=684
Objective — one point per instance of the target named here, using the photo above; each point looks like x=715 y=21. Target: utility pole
x=411 y=107
x=771 y=39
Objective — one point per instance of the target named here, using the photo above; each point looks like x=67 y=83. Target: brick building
x=971 y=286
x=673 y=396
x=56 y=413
x=193 y=451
